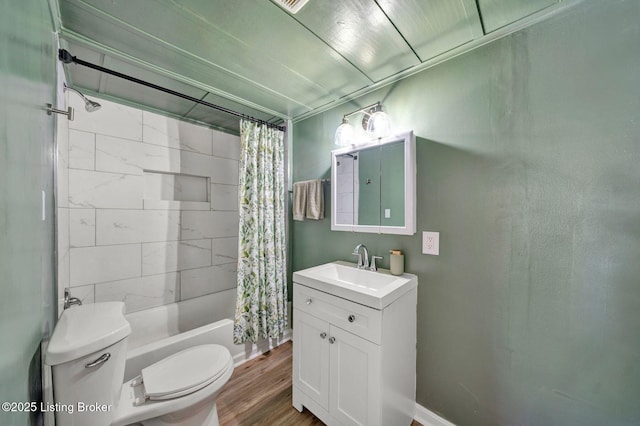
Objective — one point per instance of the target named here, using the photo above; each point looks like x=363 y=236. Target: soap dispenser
x=397 y=262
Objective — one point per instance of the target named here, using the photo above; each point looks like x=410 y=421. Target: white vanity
x=354 y=345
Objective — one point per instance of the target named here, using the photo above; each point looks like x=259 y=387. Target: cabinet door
x=311 y=357
x=355 y=379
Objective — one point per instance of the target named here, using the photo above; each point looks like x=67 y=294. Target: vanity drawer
x=361 y=320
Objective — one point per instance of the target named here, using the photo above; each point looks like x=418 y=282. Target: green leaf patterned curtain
x=261 y=304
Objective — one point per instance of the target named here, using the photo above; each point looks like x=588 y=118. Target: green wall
x=27 y=82
x=528 y=155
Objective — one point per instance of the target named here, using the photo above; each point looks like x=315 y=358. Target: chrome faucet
x=373 y=267
x=70 y=301
x=363 y=263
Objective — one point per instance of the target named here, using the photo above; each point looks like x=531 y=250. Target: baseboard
x=429 y=418
x=253 y=350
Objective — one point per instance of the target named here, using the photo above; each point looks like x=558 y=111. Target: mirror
x=374 y=188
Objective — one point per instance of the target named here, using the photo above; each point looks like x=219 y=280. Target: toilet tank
x=87 y=355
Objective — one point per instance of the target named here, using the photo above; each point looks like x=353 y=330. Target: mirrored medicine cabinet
x=374 y=186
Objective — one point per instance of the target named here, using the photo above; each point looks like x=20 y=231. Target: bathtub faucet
x=70 y=301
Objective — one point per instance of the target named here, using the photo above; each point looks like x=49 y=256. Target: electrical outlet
x=387 y=213
x=431 y=243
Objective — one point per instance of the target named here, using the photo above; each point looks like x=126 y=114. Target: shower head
x=89 y=105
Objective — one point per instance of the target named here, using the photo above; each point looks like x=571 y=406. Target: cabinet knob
x=323 y=335
x=351 y=318
x=309 y=301
x=332 y=340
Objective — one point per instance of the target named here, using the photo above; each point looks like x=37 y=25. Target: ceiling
x=254 y=57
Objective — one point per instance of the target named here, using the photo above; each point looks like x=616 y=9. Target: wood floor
x=259 y=393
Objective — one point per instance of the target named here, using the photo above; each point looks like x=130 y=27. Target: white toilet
x=87 y=355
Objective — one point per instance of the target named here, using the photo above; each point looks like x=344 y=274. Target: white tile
x=198 y=224
x=158 y=258
x=117 y=155
x=345 y=183
x=62 y=185
x=195 y=138
x=175 y=205
x=191 y=188
x=90 y=265
x=224 y=197
x=226 y=145
x=161 y=159
x=345 y=166
x=86 y=293
x=112 y=119
x=175 y=187
x=104 y=190
x=62 y=140
x=224 y=170
x=201 y=281
x=345 y=202
x=62 y=163
x=192 y=163
x=62 y=230
x=160 y=130
x=141 y=293
x=224 y=250
x=136 y=226
x=164 y=131
x=82 y=150
x=82 y=227
x=344 y=218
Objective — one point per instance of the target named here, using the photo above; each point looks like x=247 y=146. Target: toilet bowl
x=87 y=354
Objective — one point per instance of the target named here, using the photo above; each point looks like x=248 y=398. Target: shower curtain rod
x=66 y=57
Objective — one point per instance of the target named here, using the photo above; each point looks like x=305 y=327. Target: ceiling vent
x=292 y=6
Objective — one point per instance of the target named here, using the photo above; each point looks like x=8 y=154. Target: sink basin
x=343 y=279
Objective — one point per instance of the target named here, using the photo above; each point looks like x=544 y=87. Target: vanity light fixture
x=378 y=123
x=375 y=122
x=344 y=133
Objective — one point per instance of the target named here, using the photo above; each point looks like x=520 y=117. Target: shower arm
x=69 y=112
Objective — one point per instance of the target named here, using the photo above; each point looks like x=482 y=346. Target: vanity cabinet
x=354 y=364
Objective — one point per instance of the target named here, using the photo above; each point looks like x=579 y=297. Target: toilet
x=87 y=355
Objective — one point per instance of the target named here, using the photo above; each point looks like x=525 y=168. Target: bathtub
x=164 y=330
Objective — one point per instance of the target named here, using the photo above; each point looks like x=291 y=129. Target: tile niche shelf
x=175 y=191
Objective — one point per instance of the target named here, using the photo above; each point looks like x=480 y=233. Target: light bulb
x=344 y=134
x=379 y=124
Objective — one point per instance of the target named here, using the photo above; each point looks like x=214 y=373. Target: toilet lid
x=185 y=372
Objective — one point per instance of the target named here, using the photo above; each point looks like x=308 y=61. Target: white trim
x=429 y=418
x=410 y=171
x=255 y=350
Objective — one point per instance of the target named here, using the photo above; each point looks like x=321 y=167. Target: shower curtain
x=262 y=291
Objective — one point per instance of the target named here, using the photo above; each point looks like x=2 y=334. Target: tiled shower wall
x=147 y=208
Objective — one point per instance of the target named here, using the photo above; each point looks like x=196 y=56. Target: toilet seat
x=182 y=397
x=185 y=372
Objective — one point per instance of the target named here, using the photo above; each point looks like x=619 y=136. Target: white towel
x=299 y=200
x=308 y=200
x=315 y=200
